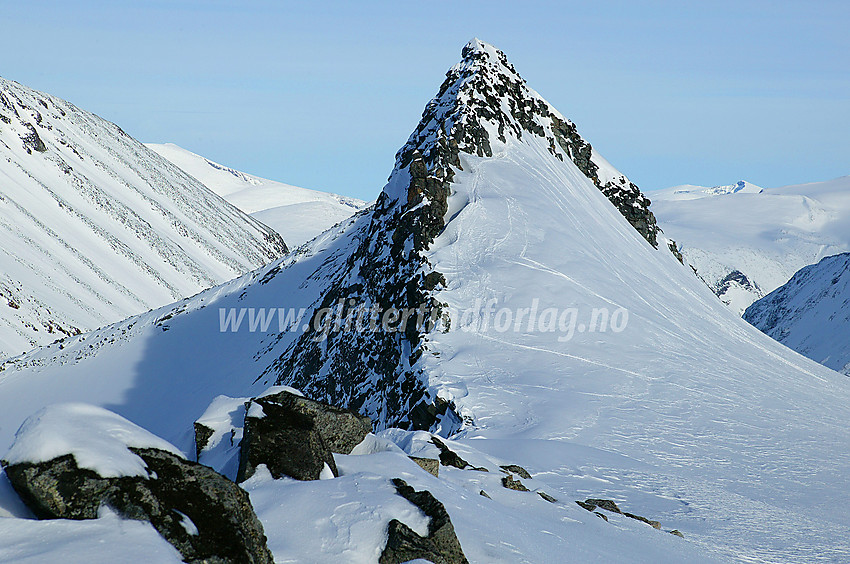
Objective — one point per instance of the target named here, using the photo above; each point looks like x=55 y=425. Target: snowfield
x=296 y=213
x=684 y=414
x=94 y=227
x=765 y=234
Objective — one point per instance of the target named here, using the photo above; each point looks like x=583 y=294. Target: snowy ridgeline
x=684 y=414
x=297 y=214
x=745 y=241
x=94 y=227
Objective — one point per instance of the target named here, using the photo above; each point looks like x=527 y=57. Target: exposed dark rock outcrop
x=284 y=438
x=439 y=546
x=513 y=484
x=605 y=504
x=32 y=142
x=736 y=277
x=205 y=516
x=518 y=470
x=341 y=429
x=624 y=194
x=430 y=465
x=449 y=457
x=375 y=372
x=608 y=505
x=202 y=438
x=547 y=497
x=674 y=248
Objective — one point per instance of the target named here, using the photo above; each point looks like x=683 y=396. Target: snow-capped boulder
x=294 y=436
x=69 y=461
x=341 y=429
x=404 y=544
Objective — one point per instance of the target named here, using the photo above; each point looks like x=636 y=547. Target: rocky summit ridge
x=481 y=108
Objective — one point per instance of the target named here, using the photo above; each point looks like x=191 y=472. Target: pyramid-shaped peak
x=483 y=107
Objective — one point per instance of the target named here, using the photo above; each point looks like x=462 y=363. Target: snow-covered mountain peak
x=564 y=342
x=691 y=192
x=811 y=312
x=94 y=227
x=484 y=106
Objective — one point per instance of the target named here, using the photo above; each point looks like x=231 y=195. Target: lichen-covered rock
x=280 y=433
x=449 y=457
x=547 y=497
x=430 y=465
x=440 y=546
x=341 y=429
x=515 y=469
x=202 y=438
x=205 y=516
x=513 y=484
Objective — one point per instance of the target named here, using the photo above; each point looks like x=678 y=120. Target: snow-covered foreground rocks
x=811 y=313
x=745 y=241
x=76 y=461
x=95 y=227
x=565 y=343
x=297 y=214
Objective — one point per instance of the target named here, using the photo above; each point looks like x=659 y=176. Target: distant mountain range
x=296 y=213
x=745 y=241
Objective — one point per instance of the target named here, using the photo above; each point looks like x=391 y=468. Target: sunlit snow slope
x=811 y=312
x=94 y=227
x=685 y=411
x=746 y=241
x=296 y=213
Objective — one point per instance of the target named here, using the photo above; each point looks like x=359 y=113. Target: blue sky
x=323 y=95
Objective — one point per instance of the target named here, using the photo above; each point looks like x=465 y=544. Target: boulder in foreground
x=295 y=436
x=111 y=462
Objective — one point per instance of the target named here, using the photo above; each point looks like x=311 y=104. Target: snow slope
x=296 y=213
x=678 y=410
x=746 y=241
x=94 y=227
x=811 y=312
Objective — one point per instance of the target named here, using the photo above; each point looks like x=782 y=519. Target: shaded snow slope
x=679 y=410
x=94 y=227
x=746 y=241
x=296 y=213
x=811 y=312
